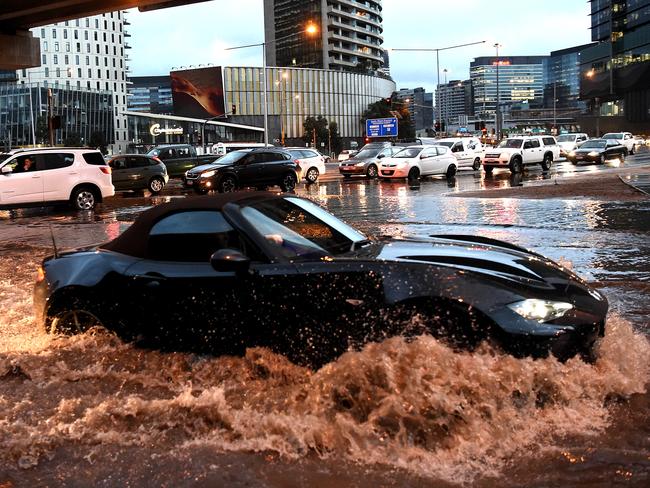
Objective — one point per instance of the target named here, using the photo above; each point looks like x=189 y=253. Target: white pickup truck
x=516 y=152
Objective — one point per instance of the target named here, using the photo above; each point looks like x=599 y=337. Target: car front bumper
x=352 y=170
x=393 y=172
x=579 y=158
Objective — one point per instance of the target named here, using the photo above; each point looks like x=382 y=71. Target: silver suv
x=37 y=177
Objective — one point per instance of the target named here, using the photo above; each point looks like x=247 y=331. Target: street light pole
x=498 y=106
x=437 y=51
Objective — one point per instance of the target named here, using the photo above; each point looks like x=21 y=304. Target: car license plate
x=189 y=182
x=580 y=157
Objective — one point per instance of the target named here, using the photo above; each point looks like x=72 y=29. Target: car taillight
x=105 y=169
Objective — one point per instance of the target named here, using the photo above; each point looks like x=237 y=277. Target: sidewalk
x=640 y=182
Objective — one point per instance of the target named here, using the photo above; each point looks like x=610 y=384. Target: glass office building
x=615 y=73
x=81 y=112
x=562 y=79
x=151 y=94
x=521 y=81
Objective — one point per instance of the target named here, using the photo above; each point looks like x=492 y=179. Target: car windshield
x=511 y=143
x=446 y=143
x=566 y=138
x=231 y=157
x=613 y=136
x=368 y=153
x=594 y=145
x=299 y=229
x=409 y=152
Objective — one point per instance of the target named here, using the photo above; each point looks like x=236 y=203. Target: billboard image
x=198 y=93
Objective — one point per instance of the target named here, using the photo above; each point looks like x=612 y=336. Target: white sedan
x=311 y=162
x=415 y=161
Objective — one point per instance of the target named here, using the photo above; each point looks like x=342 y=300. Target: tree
x=387 y=107
x=73 y=140
x=315 y=126
x=98 y=141
x=335 y=141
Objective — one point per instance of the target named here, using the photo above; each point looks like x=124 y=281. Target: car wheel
x=477 y=164
x=547 y=162
x=372 y=171
x=84 y=199
x=414 y=174
x=76 y=318
x=227 y=184
x=451 y=171
x=488 y=169
x=516 y=166
x=288 y=183
x=312 y=175
x=156 y=185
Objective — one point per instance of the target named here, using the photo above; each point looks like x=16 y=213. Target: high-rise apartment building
x=520 y=80
x=88 y=53
x=615 y=73
x=454 y=100
x=419 y=105
x=349 y=37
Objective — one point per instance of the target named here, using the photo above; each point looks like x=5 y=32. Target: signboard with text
x=382 y=127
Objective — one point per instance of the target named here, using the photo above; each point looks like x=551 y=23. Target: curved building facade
x=350 y=37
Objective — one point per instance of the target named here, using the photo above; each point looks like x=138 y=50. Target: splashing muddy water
x=93 y=408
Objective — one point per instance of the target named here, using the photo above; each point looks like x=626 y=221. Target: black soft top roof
x=133 y=241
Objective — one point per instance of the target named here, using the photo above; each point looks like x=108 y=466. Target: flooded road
x=93 y=411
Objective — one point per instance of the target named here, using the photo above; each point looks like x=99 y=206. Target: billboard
x=198 y=93
x=381 y=127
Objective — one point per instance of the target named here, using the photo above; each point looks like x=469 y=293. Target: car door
x=169 y=156
x=139 y=171
x=530 y=152
x=186 y=303
x=272 y=167
x=120 y=173
x=249 y=169
x=428 y=161
x=22 y=185
x=60 y=175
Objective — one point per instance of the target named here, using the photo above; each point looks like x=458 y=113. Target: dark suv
x=259 y=168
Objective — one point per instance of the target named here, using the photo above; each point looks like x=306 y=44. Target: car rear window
x=94 y=158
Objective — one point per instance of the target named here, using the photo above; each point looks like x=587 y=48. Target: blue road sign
x=382 y=127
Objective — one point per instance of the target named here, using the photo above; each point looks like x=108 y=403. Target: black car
x=598 y=151
x=138 y=172
x=227 y=272
x=259 y=168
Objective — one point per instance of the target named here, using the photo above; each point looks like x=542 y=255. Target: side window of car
x=458 y=147
x=183 y=152
x=54 y=160
x=191 y=236
x=168 y=153
x=548 y=141
x=528 y=144
x=118 y=163
x=309 y=154
x=442 y=150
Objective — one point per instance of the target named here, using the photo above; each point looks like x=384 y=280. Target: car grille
x=387 y=173
x=495 y=156
x=192 y=176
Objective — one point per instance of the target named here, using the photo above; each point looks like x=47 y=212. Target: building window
x=105 y=61
x=47 y=72
x=79 y=73
x=76 y=33
x=95 y=35
x=96 y=60
x=42 y=32
x=114 y=51
x=96 y=23
x=90 y=74
x=43 y=59
x=67 y=47
x=99 y=73
x=58 y=72
x=65 y=33
x=104 y=36
x=44 y=45
x=76 y=60
x=55 y=60
x=77 y=23
x=67 y=59
x=88 y=25
x=85 y=35
x=53 y=33
x=87 y=60
x=87 y=48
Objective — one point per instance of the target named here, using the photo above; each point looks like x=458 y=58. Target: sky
x=197 y=34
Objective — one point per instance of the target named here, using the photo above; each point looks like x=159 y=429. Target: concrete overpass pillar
x=19 y=50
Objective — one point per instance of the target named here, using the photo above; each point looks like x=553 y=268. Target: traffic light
x=367 y=140
x=233 y=109
x=437 y=127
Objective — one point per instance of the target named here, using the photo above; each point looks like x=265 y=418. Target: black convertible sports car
x=598 y=151
x=223 y=273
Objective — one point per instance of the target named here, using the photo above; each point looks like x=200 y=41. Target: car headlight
x=572 y=153
x=358 y=165
x=593 y=154
x=540 y=310
x=208 y=174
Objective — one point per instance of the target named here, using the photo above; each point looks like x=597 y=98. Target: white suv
x=35 y=177
x=516 y=152
x=625 y=138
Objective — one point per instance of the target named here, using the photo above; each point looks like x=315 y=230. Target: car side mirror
x=381 y=156
x=230 y=260
x=6 y=169
x=422 y=156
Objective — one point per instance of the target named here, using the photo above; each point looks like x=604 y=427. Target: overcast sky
x=197 y=34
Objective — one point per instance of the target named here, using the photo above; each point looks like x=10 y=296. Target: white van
x=467 y=150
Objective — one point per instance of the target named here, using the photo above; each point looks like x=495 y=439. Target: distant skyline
x=198 y=34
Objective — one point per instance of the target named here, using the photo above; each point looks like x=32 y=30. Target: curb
x=632 y=186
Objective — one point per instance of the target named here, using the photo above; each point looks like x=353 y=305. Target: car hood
x=354 y=160
x=587 y=150
x=489 y=257
x=507 y=150
x=567 y=145
x=208 y=167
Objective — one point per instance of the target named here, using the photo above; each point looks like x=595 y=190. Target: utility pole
x=50 y=111
x=314 y=136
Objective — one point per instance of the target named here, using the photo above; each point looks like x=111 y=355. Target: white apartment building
x=89 y=53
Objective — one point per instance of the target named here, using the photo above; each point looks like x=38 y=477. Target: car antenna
x=56 y=251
